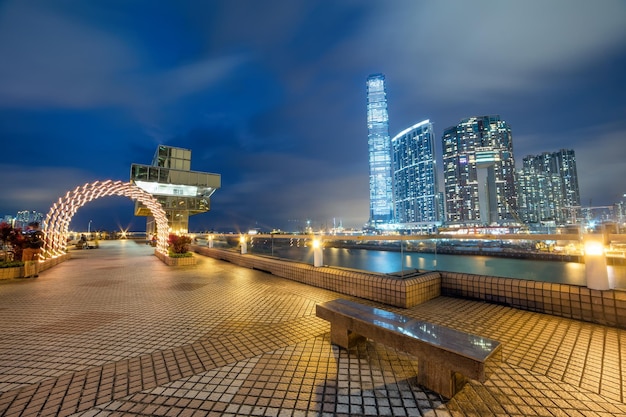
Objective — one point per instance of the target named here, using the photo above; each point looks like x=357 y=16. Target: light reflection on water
x=390 y=262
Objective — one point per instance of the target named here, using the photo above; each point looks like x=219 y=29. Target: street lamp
x=318 y=257
x=244 y=245
x=89 y=227
x=596 y=273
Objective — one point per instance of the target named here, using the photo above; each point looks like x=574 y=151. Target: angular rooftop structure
x=181 y=191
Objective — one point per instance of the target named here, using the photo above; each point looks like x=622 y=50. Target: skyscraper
x=415 y=177
x=379 y=146
x=479 y=172
x=548 y=187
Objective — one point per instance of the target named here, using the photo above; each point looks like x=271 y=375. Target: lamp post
x=318 y=257
x=595 y=263
x=89 y=228
x=244 y=245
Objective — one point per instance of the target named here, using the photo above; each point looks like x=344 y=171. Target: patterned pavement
x=115 y=332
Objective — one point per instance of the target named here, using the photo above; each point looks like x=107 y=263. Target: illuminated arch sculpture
x=58 y=219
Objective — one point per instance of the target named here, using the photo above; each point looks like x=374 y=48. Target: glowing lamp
x=594 y=248
x=244 y=246
x=318 y=257
x=596 y=271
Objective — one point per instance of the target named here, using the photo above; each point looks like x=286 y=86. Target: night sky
x=271 y=95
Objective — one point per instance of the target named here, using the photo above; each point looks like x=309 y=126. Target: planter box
x=10 y=273
x=18 y=271
x=176 y=261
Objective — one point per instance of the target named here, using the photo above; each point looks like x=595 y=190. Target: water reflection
x=390 y=262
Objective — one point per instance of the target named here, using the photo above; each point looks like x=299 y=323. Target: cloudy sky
x=271 y=95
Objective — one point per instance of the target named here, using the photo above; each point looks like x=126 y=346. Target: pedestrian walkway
x=114 y=332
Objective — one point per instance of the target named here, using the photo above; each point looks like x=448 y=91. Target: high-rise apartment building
x=548 y=187
x=479 y=172
x=379 y=146
x=415 y=177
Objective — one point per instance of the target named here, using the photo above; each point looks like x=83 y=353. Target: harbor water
x=393 y=262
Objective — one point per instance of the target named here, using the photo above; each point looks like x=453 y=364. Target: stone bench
x=446 y=357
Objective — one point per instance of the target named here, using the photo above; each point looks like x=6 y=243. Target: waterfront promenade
x=114 y=331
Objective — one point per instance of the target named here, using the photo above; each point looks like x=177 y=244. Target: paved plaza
x=114 y=332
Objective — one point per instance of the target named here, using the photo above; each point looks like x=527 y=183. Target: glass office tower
x=379 y=146
x=415 y=177
x=479 y=172
x=548 y=187
x=180 y=191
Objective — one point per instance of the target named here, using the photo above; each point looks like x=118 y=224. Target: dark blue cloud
x=271 y=95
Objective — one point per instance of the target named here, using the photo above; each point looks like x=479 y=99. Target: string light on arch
x=56 y=225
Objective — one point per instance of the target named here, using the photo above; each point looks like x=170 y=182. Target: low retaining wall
x=18 y=272
x=399 y=292
x=562 y=300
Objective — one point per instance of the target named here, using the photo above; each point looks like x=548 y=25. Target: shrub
x=11 y=264
x=180 y=255
x=10 y=236
x=179 y=244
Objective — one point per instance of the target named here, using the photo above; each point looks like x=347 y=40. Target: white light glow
x=594 y=248
x=157 y=188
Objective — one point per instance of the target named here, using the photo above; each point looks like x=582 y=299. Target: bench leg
x=438 y=378
x=341 y=336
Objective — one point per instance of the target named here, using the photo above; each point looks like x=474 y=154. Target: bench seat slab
x=446 y=357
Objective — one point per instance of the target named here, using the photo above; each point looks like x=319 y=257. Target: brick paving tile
x=115 y=332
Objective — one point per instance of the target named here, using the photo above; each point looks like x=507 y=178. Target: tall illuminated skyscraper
x=479 y=172
x=415 y=177
x=379 y=145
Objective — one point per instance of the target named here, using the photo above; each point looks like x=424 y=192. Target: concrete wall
x=371 y=286
x=569 y=301
x=563 y=300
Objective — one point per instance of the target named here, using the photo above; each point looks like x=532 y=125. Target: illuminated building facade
x=23 y=218
x=379 y=146
x=479 y=172
x=415 y=177
x=548 y=187
x=180 y=191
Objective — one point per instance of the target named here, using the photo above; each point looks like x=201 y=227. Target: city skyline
x=271 y=96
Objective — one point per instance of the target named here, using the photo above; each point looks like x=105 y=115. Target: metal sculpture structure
x=58 y=219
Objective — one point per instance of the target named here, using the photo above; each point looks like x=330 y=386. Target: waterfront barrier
x=606 y=307
x=409 y=289
x=400 y=291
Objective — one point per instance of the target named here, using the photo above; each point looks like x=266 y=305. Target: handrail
x=575 y=237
